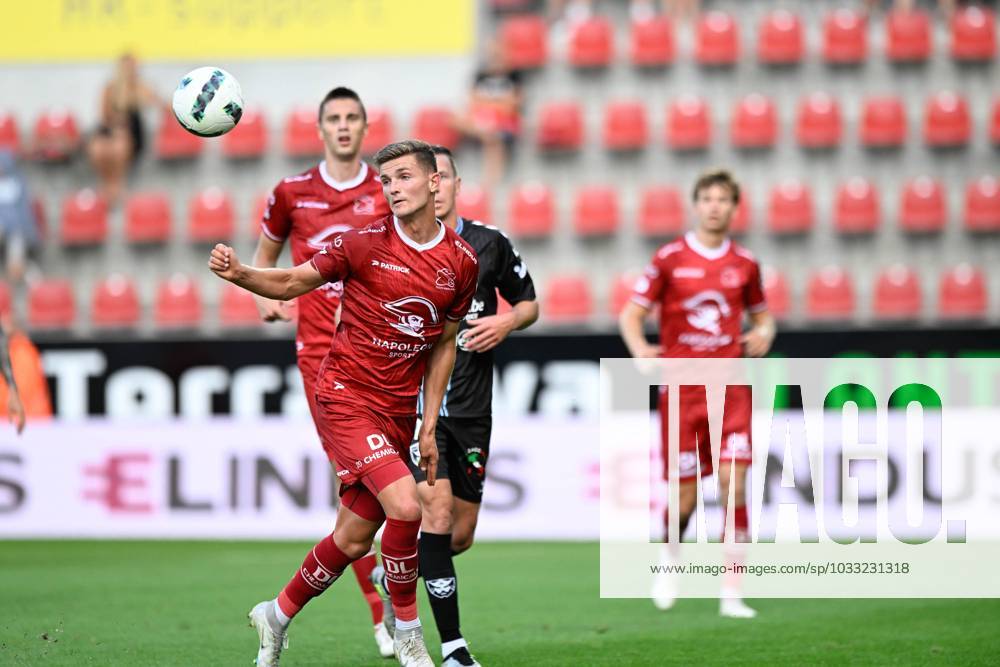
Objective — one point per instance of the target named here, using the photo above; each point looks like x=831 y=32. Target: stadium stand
x=596 y=211
x=982 y=205
x=830 y=295
x=473 y=203
x=973 y=34
x=210 y=216
x=652 y=42
x=717 y=40
x=10 y=138
x=435 y=125
x=908 y=36
x=381 y=130
x=115 y=303
x=689 y=124
x=51 y=304
x=845 y=37
x=818 y=123
x=524 y=41
x=84 y=219
x=962 y=293
x=661 y=212
x=898 y=294
x=625 y=126
x=591 y=44
x=178 y=302
x=532 y=211
x=56 y=137
x=780 y=38
x=301 y=138
x=567 y=299
x=148 y=218
x=173 y=142
x=857 y=207
x=249 y=139
x=923 y=207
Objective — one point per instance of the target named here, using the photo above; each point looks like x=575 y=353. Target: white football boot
x=410 y=648
x=384 y=641
x=271 y=641
x=731 y=605
x=377 y=578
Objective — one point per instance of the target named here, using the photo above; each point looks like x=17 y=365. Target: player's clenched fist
x=223 y=262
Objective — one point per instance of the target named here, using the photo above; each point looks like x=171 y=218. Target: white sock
x=279 y=615
x=407 y=625
x=447 y=648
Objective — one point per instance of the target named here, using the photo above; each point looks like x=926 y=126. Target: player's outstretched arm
x=488 y=332
x=439 y=366
x=630 y=326
x=281 y=284
x=266 y=257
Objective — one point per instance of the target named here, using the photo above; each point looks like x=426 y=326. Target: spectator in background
x=18 y=226
x=23 y=387
x=120 y=137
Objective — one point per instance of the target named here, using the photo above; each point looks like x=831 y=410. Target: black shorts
x=463 y=449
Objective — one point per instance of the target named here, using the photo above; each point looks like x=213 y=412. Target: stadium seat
x=754 y=123
x=51 y=304
x=256 y=215
x=973 y=35
x=560 y=126
x=10 y=139
x=473 y=203
x=818 y=124
x=301 y=134
x=41 y=217
x=653 y=42
x=381 y=131
x=908 y=36
x=248 y=139
x=84 y=219
x=830 y=294
x=962 y=293
x=741 y=219
x=995 y=123
x=845 y=37
x=790 y=209
x=56 y=137
x=532 y=211
x=567 y=299
x=982 y=205
x=883 y=123
x=178 y=302
x=173 y=142
x=621 y=293
x=524 y=40
x=689 y=124
x=114 y=302
x=595 y=212
x=237 y=308
x=436 y=125
x=148 y=218
x=946 y=121
x=780 y=38
x=922 y=206
x=718 y=39
x=625 y=126
x=856 y=210
x=591 y=43
x=661 y=212
x=779 y=301
x=897 y=294
x=210 y=216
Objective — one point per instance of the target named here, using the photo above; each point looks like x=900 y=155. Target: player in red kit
x=307 y=210
x=408 y=282
x=703 y=283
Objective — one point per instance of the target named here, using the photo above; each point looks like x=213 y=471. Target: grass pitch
x=185 y=603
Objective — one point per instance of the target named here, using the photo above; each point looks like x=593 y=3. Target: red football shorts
x=693 y=440
x=309 y=368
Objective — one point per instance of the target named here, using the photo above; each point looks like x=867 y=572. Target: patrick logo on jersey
x=705 y=311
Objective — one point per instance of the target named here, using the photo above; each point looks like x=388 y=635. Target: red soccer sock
x=362 y=570
x=322 y=566
x=399 y=556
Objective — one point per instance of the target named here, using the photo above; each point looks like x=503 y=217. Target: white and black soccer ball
x=208 y=102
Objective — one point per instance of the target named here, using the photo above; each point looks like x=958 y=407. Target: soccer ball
x=208 y=102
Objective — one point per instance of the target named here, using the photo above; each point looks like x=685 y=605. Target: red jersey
x=702 y=293
x=308 y=210
x=397 y=294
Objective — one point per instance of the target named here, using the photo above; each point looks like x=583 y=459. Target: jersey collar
x=340 y=186
x=420 y=247
x=703 y=250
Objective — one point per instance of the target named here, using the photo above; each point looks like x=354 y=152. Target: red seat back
x=922 y=206
x=84 y=219
x=689 y=124
x=210 y=216
x=908 y=36
x=897 y=294
x=591 y=43
x=819 y=121
x=982 y=205
x=857 y=207
x=653 y=43
x=717 y=40
x=596 y=211
x=661 y=211
x=532 y=211
x=524 y=41
x=845 y=37
x=625 y=126
x=115 y=302
x=830 y=294
x=147 y=218
x=962 y=293
x=51 y=304
x=780 y=39
x=178 y=302
x=973 y=34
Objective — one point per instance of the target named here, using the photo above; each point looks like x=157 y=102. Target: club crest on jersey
x=445 y=279
x=705 y=311
x=364 y=205
x=412 y=312
x=730 y=277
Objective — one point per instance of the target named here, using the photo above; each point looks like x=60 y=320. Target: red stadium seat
x=780 y=39
x=41 y=218
x=57 y=137
x=830 y=294
x=524 y=40
x=302 y=134
x=595 y=212
x=689 y=124
x=883 y=123
x=621 y=293
x=436 y=125
x=962 y=293
x=845 y=37
x=819 y=123
x=922 y=206
x=178 y=302
x=897 y=294
x=237 y=307
x=567 y=299
x=973 y=34
x=591 y=43
x=946 y=121
x=754 y=123
x=210 y=216
x=473 y=203
x=381 y=131
x=173 y=142
x=248 y=139
x=625 y=126
x=9 y=137
x=857 y=207
x=995 y=123
x=148 y=218
x=653 y=43
x=661 y=212
x=532 y=211
x=51 y=304
x=908 y=36
x=257 y=215
x=741 y=219
x=779 y=301
x=84 y=219
x=790 y=210
x=982 y=205
x=560 y=126
x=718 y=39
x=114 y=302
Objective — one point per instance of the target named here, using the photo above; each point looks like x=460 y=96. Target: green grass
x=184 y=603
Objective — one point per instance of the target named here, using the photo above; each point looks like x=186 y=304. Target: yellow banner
x=68 y=30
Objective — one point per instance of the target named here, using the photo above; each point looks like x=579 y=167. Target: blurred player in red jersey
x=308 y=210
x=408 y=282
x=703 y=283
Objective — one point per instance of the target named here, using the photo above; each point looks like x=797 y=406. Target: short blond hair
x=714 y=177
